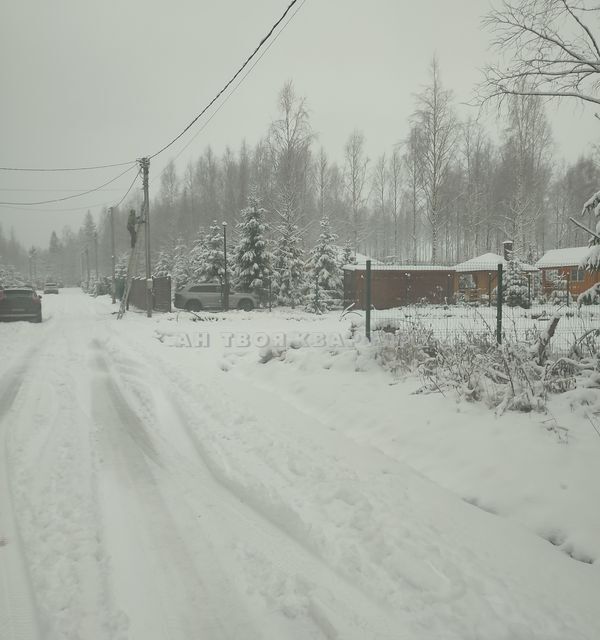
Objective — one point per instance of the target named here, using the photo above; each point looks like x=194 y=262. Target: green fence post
x=368 y=301
x=499 y=296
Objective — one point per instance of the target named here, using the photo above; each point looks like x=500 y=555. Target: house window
x=467 y=281
x=577 y=275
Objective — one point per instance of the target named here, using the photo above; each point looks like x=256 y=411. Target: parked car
x=209 y=296
x=51 y=287
x=20 y=303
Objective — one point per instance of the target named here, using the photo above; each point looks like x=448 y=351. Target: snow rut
x=271 y=542
x=152 y=532
x=18 y=608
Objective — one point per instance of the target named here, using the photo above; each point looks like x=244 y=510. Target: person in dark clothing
x=131 y=227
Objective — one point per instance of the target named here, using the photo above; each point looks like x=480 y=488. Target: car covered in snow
x=51 y=287
x=209 y=296
x=20 y=303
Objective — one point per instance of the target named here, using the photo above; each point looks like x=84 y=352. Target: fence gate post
x=368 y=301
x=499 y=296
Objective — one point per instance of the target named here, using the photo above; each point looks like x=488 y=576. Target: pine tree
x=348 y=256
x=592 y=261
x=163 y=266
x=252 y=259
x=180 y=273
x=288 y=267
x=515 y=288
x=325 y=277
x=214 y=262
x=198 y=256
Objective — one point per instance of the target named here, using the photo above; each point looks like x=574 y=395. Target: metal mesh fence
x=481 y=301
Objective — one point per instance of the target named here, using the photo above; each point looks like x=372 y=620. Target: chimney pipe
x=508 y=250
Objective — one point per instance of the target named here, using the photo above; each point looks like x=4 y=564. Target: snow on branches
x=324 y=271
x=592 y=261
x=253 y=260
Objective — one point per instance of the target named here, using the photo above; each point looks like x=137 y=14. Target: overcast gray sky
x=108 y=81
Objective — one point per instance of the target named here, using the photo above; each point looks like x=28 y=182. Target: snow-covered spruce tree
x=198 y=257
x=180 y=273
x=325 y=281
x=592 y=261
x=214 y=259
x=348 y=256
x=288 y=267
x=252 y=258
x=515 y=285
x=163 y=265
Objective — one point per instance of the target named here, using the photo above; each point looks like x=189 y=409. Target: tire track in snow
x=341 y=612
x=18 y=610
x=452 y=600
x=151 y=535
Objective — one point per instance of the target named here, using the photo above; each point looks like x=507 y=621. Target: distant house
x=398 y=285
x=561 y=271
x=477 y=278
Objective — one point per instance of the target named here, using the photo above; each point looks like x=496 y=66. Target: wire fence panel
x=448 y=303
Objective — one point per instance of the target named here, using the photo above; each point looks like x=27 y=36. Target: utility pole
x=225 y=274
x=145 y=165
x=112 y=252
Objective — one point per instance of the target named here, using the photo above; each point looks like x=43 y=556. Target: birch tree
x=546 y=48
x=355 y=176
x=438 y=130
x=394 y=190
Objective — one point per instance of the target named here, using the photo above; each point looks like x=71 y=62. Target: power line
x=82 y=208
x=130 y=164
x=100 y=166
x=230 y=82
x=44 y=190
x=241 y=80
x=76 y=195
x=137 y=175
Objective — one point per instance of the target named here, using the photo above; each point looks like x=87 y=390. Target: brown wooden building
x=398 y=285
x=477 y=278
x=560 y=271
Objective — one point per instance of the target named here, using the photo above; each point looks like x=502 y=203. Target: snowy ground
x=170 y=478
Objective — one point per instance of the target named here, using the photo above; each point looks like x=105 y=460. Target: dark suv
x=209 y=296
x=20 y=303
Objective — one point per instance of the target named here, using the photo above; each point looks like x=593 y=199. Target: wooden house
x=398 y=285
x=561 y=271
x=476 y=279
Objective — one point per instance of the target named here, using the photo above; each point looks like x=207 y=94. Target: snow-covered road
x=151 y=493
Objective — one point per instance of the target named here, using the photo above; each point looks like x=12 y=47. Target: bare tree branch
x=547 y=48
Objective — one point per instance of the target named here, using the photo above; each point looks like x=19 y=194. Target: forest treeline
x=444 y=191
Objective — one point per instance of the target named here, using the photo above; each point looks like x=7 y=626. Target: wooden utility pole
x=112 y=251
x=145 y=165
